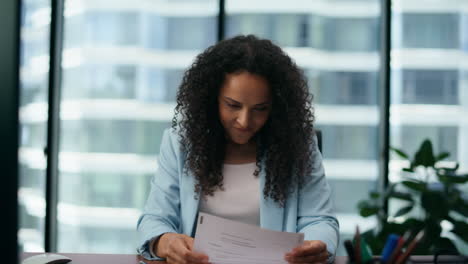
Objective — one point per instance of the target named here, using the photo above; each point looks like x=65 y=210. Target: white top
x=240 y=199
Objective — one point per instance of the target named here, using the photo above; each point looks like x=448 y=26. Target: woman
x=242 y=146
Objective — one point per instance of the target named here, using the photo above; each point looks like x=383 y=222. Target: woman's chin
x=240 y=140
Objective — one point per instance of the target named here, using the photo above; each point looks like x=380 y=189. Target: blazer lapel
x=189 y=205
x=271 y=214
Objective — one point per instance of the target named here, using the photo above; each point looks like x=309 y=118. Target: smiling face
x=244 y=105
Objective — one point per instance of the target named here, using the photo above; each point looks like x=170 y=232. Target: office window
x=100 y=81
x=352 y=88
x=176 y=33
x=349 y=142
x=343 y=33
x=102 y=28
x=96 y=238
x=121 y=71
x=147 y=84
x=33 y=134
x=438 y=31
x=344 y=202
x=464 y=32
x=77 y=34
x=33 y=89
x=428 y=93
x=128 y=136
x=113 y=28
x=443 y=138
x=287 y=30
x=105 y=190
x=308 y=30
x=463 y=88
x=167 y=81
x=34 y=61
x=430 y=87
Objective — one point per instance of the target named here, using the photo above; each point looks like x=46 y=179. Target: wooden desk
x=96 y=258
x=134 y=259
x=120 y=258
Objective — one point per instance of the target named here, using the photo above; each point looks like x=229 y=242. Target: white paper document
x=231 y=242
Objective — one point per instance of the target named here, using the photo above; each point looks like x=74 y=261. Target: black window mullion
x=221 y=20
x=53 y=125
x=384 y=100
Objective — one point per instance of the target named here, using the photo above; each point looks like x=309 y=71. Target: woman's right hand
x=177 y=248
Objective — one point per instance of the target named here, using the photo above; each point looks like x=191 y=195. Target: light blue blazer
x=172 y=207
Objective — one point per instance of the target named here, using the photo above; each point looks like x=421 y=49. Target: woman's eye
x=261 y=109
x=233 y=106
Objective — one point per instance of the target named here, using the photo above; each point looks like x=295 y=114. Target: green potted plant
x=428 y=195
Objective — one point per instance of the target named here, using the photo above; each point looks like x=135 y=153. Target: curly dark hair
x=283 y=143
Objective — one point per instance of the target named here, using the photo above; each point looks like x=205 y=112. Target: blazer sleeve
x=161 y=213
x=315 y=209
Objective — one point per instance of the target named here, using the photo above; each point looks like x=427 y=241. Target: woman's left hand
x=311 y=251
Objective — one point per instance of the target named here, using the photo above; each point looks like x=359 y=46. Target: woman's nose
x=243 y=119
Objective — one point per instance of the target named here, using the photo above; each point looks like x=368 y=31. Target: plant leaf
x=445 y=171
x=444 y=244
x=456 y=167
x=412 y=224
x=442 y=156
x=435 y=204
x=415 y=185
x=400 y=153
x=367 y=209
x=453 y=178
x=432 y=228
x=461 y=207
x=403 y=210
x=375 y=242
x=449 y=170
x=424 y=156
x=408 y=169
x=374 y=195
x=401 y=196
x=461 y=230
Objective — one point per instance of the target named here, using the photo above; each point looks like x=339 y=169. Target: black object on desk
x=349 y=249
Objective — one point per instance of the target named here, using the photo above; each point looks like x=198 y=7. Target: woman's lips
x=242 y=130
